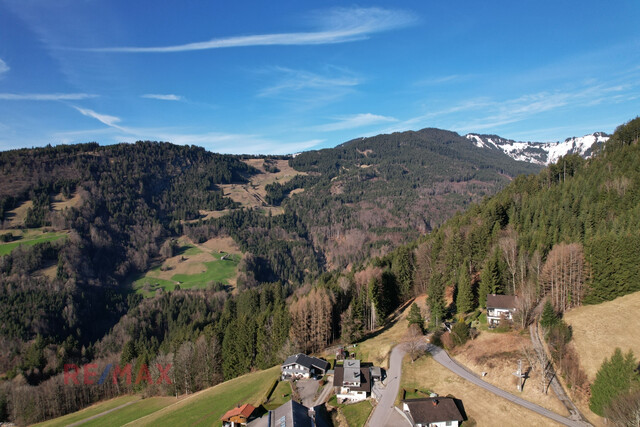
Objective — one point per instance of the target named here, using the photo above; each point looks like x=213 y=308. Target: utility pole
x=519 y=374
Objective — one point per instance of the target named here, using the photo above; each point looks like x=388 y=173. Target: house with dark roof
x=293 y=414
x=238 y=416
x=499 y=306
x=432 y=412
x=303 y=366
x=352 y=383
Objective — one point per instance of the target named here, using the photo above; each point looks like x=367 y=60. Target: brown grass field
x=485 y=408
x=497 y=354
x=15 y=217
x=59 y=203
x=253 y=193
x=599 y=329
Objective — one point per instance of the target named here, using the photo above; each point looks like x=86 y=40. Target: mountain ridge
x=541 y=153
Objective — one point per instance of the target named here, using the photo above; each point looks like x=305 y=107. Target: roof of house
x=245 y=410
x=292 y=414
x=365 y=379
x=433 y=410
x=376 y=371
x=501 y=301
x=306 y=361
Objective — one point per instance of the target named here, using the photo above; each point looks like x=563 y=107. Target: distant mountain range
x=541 y=153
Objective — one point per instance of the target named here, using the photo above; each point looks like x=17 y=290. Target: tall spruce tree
x=415 y=317
x=435 y=298
x=464 y=299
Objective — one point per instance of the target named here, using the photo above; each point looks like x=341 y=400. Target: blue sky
x=287 y=76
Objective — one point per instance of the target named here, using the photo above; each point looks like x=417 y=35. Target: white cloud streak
x=4 y=68
x=163 y=97
x=338 y=25
x=45 y=96
x=213 y=141
x=106 y=119
x=297 y=80
x=355 y=121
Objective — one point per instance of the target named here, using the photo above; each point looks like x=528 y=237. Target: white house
x=303 y=366
x=352 y=383
x=432 y=412
x=499 y=306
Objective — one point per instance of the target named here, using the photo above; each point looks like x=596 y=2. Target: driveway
x=384 y=414
x=307 y=391
x=442 y=357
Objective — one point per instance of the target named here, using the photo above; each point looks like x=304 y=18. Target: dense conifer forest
x=569 y=232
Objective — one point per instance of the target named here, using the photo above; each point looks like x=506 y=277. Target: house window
x=448 y=423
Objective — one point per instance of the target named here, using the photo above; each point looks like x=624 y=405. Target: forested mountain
x=370 y=194
x=569 y=231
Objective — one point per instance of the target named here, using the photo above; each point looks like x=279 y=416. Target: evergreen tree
x=549 y=316
x=403 y=266
x=415 y=317
x=435 y=298
x=615 y=377
x=460 y=333
x=490 y=278
x=464 y=299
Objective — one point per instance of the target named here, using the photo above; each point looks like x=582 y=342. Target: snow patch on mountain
x=542 y=153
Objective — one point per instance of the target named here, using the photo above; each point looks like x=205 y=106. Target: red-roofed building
x=238 y=416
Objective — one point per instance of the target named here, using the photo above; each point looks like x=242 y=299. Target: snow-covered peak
x=542 y=153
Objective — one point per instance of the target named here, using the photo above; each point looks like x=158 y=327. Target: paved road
x=443 y=358
x=383 y=411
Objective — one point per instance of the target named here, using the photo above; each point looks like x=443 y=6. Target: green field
x=356 y=414
x=217 y=270
x=206 y=407
x=89 y=412
x=132 y=412
x=31 y=237
x=203 y=408
x=280 y=396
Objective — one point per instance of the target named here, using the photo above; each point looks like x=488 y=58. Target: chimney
x=435 y=402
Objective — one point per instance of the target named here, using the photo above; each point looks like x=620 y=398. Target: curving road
x=442 y=357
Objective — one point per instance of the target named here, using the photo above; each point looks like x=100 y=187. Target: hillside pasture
x=194 y=266
x=599 y=329
x=28 y=237
x=252 y=194
x=60 y=203
x=206 y=407
x=15 y=217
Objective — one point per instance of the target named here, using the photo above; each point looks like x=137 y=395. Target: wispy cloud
x=298 y=80
x=45 y=96
x=214 y=141
x=354 y=121
x=111 y=121
x=3 y=67
x=163 y=97
x=432 y=81
x=338 y=25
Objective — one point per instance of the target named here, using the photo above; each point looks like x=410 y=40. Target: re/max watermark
x=91 y=375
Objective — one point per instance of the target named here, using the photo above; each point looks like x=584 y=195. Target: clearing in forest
x=31 y=236
x=193 y=266
x=252 y=194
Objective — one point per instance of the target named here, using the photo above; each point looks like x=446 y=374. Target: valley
x=222 y=266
